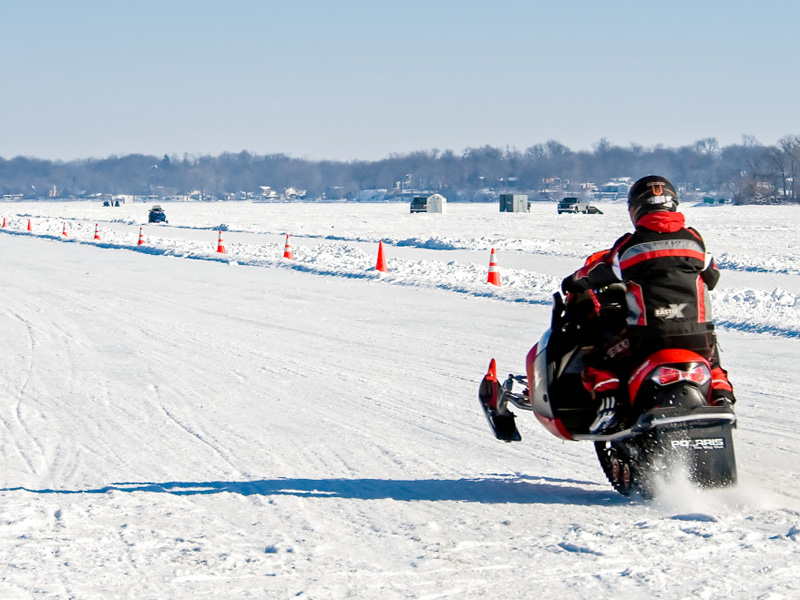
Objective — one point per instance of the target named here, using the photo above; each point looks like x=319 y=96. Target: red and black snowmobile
x=670 y=425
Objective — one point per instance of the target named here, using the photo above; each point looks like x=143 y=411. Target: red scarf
x=662 y=221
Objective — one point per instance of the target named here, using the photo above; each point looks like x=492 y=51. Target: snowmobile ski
x=494 y=402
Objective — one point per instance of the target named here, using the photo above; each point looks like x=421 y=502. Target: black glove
x=570 y=285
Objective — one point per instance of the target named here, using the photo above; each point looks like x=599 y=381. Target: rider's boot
x=608 y=415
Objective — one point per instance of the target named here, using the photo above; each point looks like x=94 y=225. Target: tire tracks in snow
x=17 y=423
x=160 y=401
x=201 y=437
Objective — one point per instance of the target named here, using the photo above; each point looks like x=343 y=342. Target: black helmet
x=651 y=194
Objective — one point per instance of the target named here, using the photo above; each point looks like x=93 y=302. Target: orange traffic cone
x=494 y=275
x=220 y=244
x=141 y=237
x=381 y=266
x=489 y=389
x=96 y=232
x=29 y=225
x=287 y=249
x=64 y=230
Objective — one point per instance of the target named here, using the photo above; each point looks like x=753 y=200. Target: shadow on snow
x=499 y=490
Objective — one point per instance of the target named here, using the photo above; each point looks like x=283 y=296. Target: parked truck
x=575 y=205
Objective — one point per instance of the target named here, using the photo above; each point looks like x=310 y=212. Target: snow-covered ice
x=177 y=423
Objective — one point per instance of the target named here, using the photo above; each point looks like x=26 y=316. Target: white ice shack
x=437 y=203
x=514 y=203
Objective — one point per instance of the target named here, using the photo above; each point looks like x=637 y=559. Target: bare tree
x=778 y=160
x=790 y=147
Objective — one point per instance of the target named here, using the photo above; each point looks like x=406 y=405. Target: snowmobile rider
x=667 y=274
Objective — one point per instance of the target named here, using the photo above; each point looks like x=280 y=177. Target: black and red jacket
x=667 y=273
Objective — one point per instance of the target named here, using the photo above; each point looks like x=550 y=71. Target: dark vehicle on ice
x=419 y=204
x=157 y=215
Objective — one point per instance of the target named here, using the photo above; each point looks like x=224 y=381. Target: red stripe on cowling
x=554 y=426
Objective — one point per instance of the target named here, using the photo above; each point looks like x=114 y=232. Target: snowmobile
x=157 y=215
x=670 y=426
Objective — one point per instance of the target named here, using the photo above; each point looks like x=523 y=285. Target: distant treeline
x=746 y=172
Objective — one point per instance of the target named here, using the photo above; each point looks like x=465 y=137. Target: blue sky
x=352 y=79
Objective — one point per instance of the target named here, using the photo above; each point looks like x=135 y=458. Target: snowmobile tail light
x=668 y=375
x=698 y=375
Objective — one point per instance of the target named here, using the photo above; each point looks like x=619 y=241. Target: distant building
x=377 y=195
x=268 y=194
x=615 y=189
x=293 y=194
